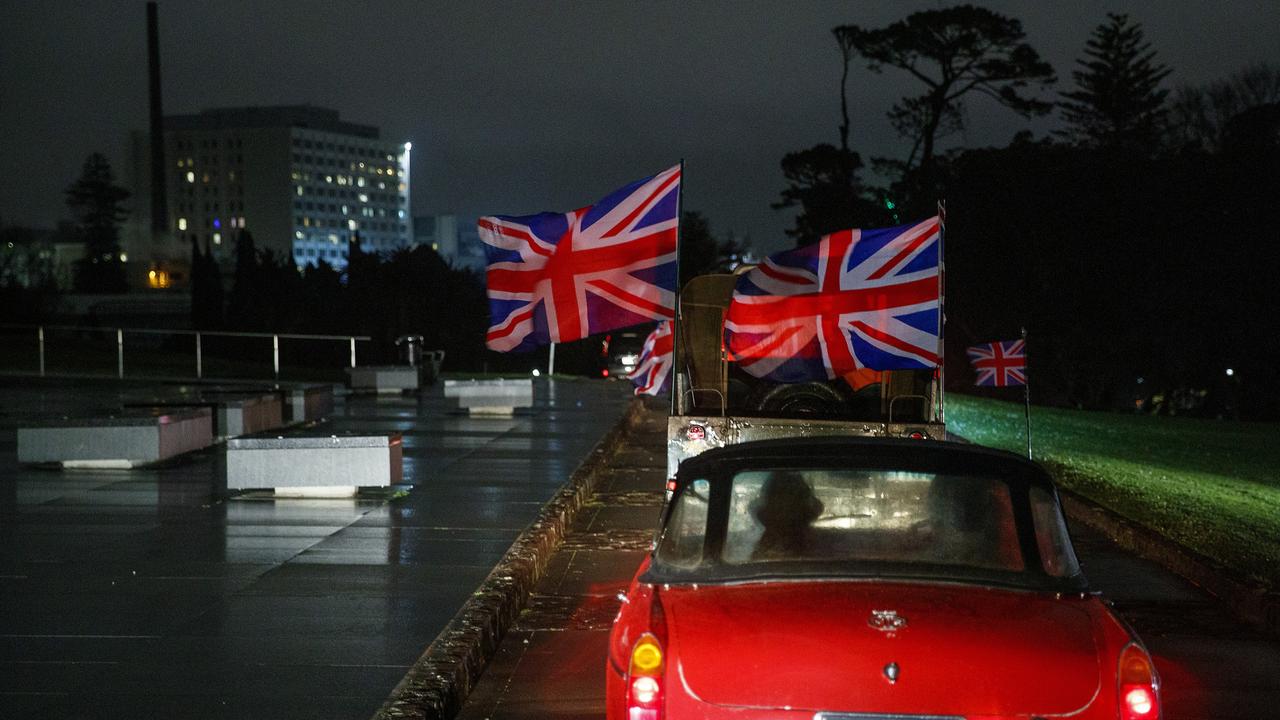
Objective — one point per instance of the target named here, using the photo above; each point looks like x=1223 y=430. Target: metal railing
x=199 y=336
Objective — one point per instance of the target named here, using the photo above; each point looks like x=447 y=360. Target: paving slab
x=149 y=593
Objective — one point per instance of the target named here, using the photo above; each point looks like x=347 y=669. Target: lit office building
x=303 y=182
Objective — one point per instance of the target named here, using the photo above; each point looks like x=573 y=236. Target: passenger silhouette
x=785 y=507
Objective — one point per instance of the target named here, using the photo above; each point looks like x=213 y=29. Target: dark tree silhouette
x=241 y=304
x=1200 y=114
x=823 y=183
x=1118 y=101
x=700 y=251
x=95 y=201
x=953 y=52
x=206 y=289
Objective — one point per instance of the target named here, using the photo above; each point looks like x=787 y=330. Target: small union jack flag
x=557 y=277
x=1000 y=364
x=652 y=375
x=858 y=299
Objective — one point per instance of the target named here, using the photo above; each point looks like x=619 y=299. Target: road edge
x=1251 y=602
x=437 y=685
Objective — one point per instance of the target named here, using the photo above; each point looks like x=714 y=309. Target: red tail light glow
x=1139 y=686
x=604 y=372
x=644 y=680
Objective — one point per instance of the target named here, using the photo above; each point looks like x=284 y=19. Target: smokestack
x=159 y=203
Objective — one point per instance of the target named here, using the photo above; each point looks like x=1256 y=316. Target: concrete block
x=234 y=413
x=304 y=403
x=385 y=378
x=129 y=439
x=314 y=465
x=490 y=397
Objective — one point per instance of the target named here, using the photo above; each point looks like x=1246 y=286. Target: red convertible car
x=869 y=579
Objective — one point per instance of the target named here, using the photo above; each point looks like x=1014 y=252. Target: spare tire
x=811 y=398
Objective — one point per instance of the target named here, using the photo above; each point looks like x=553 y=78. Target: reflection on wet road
x=146 y=593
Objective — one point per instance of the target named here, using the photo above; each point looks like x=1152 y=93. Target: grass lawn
x=1212 y=485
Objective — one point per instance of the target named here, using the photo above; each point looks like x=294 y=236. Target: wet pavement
x=147 y=593
x=551 y=665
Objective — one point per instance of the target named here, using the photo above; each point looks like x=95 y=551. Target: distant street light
x=1230 y=372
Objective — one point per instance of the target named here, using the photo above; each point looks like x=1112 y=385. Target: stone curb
x=1248 y=600
x=438 y=683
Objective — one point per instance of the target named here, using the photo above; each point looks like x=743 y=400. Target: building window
x=191 y=177
x=182 y=223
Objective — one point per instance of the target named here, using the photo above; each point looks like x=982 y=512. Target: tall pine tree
x=95 y=200
x=1118 y=101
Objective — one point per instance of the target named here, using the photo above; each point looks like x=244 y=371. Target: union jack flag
x=557 y=277
x=1000 y=364
x=857 y=299
x=652 y=375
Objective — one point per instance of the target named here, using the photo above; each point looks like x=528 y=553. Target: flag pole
x=675 y=321
x=551 y=360
x=942 y=311
x=1026 y=390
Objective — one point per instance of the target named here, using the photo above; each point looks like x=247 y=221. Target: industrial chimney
x=159 y=203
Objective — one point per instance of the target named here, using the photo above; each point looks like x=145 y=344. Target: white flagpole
x=942 y=312
x=1026 y=389
x=551 y=361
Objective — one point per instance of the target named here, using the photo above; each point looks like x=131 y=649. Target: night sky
x=521 y=107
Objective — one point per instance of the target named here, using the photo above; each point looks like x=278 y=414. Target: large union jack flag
x=652 y=375
x=557 y=277
x=858 y=299
x=1000 y=364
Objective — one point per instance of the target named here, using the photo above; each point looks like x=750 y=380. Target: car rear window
x=883 y=522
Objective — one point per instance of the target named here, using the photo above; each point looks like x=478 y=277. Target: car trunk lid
x=831 y=646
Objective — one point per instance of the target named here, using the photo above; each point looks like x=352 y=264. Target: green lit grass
x=1211 y=485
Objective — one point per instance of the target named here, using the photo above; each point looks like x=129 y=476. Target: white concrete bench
x=491 y=397
x=385 y=378
x=128 y=439
x=314 y=465
x=304 y=403
x=235 y=413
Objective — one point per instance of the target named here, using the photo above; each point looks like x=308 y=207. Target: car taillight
x=644 y=679
x=1139 y=686
x=604 y=372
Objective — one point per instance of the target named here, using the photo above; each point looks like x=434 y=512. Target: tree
x=1200 y=115
x=700 y=251
x=206 y=289
x=1118 y=102
x=823 y=183
x=242 y=305
x=95 y=201
x=953 y=52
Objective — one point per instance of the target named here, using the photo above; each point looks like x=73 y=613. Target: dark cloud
x=518 y=107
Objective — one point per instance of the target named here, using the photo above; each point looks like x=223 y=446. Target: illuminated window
x=351 y=225
x=297 y=234
x=241 y=222
x=363 y=197
x=182 y=223
x=124 y=257
x=360 y=182
x=333 y=238
x=204 y=178
x=217 y=238
x=435 y=246
x=191 y=177
x=306 y=222
x=328 y=178
x=344 y=209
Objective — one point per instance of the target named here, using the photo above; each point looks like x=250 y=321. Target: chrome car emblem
x=886 y=620
x=891 y=672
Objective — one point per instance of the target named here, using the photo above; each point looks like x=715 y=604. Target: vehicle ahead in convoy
x=868 y=579
x=715 y=403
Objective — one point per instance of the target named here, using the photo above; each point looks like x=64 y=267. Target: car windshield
x=866 y=522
